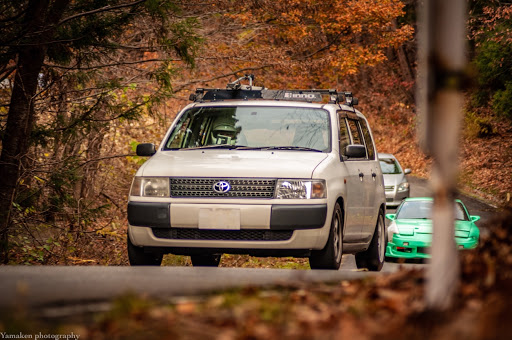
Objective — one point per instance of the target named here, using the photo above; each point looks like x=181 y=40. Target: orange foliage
x=304 y=43
x=488 y=21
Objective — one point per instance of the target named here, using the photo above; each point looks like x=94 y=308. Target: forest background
x=83 y=82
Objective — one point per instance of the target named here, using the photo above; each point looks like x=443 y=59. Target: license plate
x=226 y=219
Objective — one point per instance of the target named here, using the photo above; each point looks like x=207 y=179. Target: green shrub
x=477 y=126
x=493 y=64
x=502 y=101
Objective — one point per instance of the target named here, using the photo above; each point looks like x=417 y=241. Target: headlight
x=296 y=188
x=404 y=186
x=150 y=186
x=392 y=230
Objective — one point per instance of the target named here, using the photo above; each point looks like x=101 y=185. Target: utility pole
x=442 y=62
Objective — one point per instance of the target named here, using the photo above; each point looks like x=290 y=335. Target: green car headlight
x=300 y=189
x=392 y=230
x=150 y=187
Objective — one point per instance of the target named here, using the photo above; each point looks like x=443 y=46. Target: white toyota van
x=247 y=170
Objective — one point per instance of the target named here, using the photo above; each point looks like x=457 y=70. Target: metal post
x=442 y=62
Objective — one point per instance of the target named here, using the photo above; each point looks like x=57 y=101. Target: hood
x=417 y=226
x=232 y=163
x=393 y=179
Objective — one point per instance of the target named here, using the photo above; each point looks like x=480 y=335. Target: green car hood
x=410 y=227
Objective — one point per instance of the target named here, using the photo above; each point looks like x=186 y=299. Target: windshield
x=422 y=210
x=252 y=127
x=389 y=166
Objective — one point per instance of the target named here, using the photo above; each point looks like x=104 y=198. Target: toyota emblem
x=221 y=187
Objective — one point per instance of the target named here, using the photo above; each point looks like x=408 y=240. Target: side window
x=344 y=136
x=370 y=149
x=354 y=131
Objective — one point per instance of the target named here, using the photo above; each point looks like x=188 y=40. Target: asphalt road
x=54 y=289
x=62 y=285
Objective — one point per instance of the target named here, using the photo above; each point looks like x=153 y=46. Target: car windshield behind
x=423 y=209
x=389 y=166
x=252 y=127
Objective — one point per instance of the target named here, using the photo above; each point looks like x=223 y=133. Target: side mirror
x=390 y=216
x=474 y=218
x=355 y=151
x=146 y=149
x=407 y=171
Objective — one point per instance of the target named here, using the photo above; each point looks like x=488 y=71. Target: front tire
x=373 y=258
x=205 y=260
x=330 y=256
x=137 y=256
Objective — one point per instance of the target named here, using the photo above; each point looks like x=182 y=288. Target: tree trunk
x=406 y=69
x=20 y=121
x=441 y=67
x=94 y=144
x=21 y=116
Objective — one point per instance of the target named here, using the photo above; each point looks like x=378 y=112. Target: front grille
x=240 y=187
x=222 y=235
x=389 y=188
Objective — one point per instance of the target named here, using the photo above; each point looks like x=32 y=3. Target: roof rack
x=235 y=90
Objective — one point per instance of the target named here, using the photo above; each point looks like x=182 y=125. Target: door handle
x=361 y=175
x=374 y=176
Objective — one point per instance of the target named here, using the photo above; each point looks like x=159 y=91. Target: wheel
x=373 y=258
x=137 y=256
x=330 y=256
x=205 y=260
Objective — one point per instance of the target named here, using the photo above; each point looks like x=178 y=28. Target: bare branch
x=13 y=18
x=106 y=157
x=6 y=72
x=183 y=86
x=99 y=10
x=330 y=43
x=109 y=65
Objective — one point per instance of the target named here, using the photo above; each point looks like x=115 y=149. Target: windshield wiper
x=244 y=147
x=298 y=148
x=216 y=146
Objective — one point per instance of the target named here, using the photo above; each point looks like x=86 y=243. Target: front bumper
x=274 y=217
x=418 y=247
x=228 y=226
x=394 y=197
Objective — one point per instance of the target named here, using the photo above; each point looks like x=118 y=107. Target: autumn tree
x=67 y=70
x=300 y=43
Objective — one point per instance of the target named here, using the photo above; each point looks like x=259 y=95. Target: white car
x=396 y=184
x=247 y=170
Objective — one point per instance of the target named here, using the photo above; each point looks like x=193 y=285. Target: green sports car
x=410 y=231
